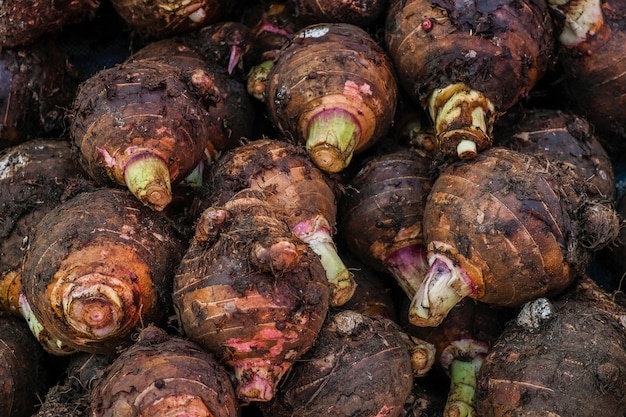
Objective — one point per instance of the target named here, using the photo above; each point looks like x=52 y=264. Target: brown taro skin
x=593 y=74
x=564 y=137
x=509 y=224
x=35 y=176
x=99 y=266
x=23 y=372
x=163 y=375
x=382 y=208
x=501 y=48
x=250 y=292
x=164 y=18
x=25 y=21
x=146 y=108
x=358 y=366
x=36 y=85
x=230 y=115
x=570 y=364
x=298 y=189
x=329 y=66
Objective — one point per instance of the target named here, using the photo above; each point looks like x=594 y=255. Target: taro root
x=356 y=12
x=23 y=371
x=562 y=357
x=25 y=21
x=36 y=85
x=462 y=341
x=561 y=137
x=300 y=193
x=98 y=266
x=467 y=62
x=341 y=375
x=163 y=375
x=381 y=215
x=590 y=43
x=251 y=292
x=164 y=19
x=147 y=123
x=70 y=396
x=333 y=89
x=504 y=228
x=35 y=176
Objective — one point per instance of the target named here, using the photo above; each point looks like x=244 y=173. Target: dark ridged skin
x=560 y=137
x=571 y=363
x=342 y=375
x=36 y=84
x=24 y=21
x=382 y=208
x=36 y=176
x=258 y=314
x=501 y=48
x=24 y=375
x=593 y=70
x=159 y=374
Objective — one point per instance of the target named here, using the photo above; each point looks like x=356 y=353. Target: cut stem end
x=148 y=178
x=332 y=137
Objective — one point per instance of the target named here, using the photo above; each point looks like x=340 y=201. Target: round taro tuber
x=341 y=375
x=35 y=176
x=566 y=357
x=166 y=18
x=381 y=215
x=505 y=228
x=165 y=376
x=148 y=122
x=591 y=35
x=466 y=62
x=248 y=290
x=98 y=266
x=334 y=89
x=561 y=137
x=300 y=193
x=23 y=372
x=36 y=85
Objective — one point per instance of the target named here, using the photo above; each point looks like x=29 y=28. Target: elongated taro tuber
x=466 y=62
x=35 y=176
x=332 y=88
x=147 y=123
x=381 y=215
x=562 y=137
x=299 y=192
x=163 y=375
x=564 y=357
x=506 y=228
x=341 y=375
x=98 y=266
x=251 y=292
x=23 y=370
x=36 y=85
